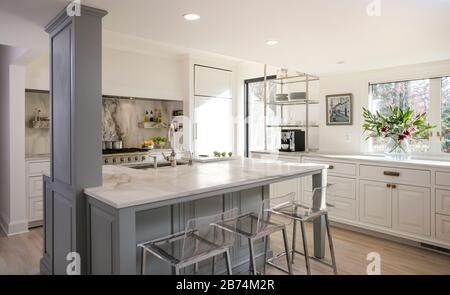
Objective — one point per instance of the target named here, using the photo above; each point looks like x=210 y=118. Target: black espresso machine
x=292 y=140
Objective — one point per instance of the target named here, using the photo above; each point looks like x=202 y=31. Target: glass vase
x=397 y=149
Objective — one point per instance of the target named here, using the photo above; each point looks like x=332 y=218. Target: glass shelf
x=290 y=102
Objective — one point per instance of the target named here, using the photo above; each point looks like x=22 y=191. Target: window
x=415 y=94
x=445 y=115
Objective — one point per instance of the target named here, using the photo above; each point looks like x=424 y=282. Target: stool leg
x=266 y=248
x=252 y=256
x=213 y=265
x=286 y=249
x=143 y=261
x=177 y=270
x=330 y=242
x=305 y=247
x=228 y=258
x=294 y=240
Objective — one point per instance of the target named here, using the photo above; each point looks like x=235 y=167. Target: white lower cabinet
x=443 y=227
x=411 y=210
x=35 y=171
x=375 y=203
x=342 y=208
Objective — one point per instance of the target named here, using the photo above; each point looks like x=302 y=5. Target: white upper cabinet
x=212 y=82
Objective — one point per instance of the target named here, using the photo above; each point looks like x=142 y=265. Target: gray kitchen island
x=134 y=206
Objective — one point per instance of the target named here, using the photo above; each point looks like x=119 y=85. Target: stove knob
x=122 y=160
x=114 y=160
x=106 y=161
x=136 y=158
x=129 y=159
x=143 y=158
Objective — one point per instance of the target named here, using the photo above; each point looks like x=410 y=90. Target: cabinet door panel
x=375 y=203
x=411 y=209
x=342 y=208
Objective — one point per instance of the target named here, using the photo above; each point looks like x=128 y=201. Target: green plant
x=398 y=125
x=223 y=154
x=230 y=154
x=159 y=139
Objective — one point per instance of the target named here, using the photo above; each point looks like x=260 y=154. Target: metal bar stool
x=257 y=225
x=300 y=213
x=204 y=238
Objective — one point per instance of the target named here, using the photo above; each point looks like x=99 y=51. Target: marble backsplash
x=121 y=119
x=37 y=141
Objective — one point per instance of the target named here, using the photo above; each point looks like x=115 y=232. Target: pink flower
x=384 y=129
x=401 y=137
x=412 y=129
x=407 y=133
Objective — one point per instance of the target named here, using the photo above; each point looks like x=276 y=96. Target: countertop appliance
x=292 y=140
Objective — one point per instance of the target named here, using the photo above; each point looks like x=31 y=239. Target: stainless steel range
x=126 y=155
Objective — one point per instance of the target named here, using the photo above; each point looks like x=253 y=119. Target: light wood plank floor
x=20 y=255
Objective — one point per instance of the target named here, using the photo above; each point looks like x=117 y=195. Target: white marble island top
x=125 y=187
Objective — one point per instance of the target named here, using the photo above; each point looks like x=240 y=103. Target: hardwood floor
x=20 y=255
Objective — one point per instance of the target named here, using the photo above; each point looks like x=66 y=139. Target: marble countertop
x=430 y=162
x=125 y=187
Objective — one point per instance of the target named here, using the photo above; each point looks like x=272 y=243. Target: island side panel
x=318 y=181
x=114 y=233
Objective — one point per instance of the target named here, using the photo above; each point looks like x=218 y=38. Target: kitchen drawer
x=443 y=178
x=338 y=168
x=342 y=208
x=35 y=209
x=39 y=168
x=35 y=186
x=340 y=186
x=443 y=202
x=395 y=175
x=443 y=227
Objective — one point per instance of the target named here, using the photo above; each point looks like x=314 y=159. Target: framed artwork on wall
x=339 y=109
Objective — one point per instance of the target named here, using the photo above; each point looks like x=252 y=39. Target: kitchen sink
x=151 y=166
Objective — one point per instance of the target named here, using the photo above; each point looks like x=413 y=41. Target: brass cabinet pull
x=388 y=185
x=331 y=167
x=394 y=186
x=391 y=173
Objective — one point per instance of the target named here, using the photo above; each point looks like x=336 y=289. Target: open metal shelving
x=298 y=78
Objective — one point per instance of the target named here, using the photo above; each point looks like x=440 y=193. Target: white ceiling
x=313 y=34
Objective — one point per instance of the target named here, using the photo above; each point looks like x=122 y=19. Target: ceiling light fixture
x=271 y=42
x=191 y=16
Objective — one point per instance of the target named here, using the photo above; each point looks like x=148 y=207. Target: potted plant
x=160 y=141
x=397 y=127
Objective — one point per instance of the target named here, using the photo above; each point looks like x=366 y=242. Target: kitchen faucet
x=172 y=158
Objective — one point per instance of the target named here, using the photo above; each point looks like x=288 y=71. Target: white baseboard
x=14 y=228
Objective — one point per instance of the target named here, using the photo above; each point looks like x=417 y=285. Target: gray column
x=75 y=89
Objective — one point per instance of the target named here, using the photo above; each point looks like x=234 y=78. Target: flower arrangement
x=398 y=126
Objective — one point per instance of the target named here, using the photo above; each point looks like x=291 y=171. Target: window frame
x=434 y=114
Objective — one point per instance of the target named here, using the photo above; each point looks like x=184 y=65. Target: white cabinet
x=411 y=211
x=443 y=227
x=443 y=202
x=36 y=169
x=342 y=208
x=212 y=82
x=375 y=203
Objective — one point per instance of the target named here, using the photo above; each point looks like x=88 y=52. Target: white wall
x=349 y=139
x=12 y=143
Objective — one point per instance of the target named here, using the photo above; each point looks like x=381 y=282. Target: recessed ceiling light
x=191 y=16
x=341 y=62
x=271 y=42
